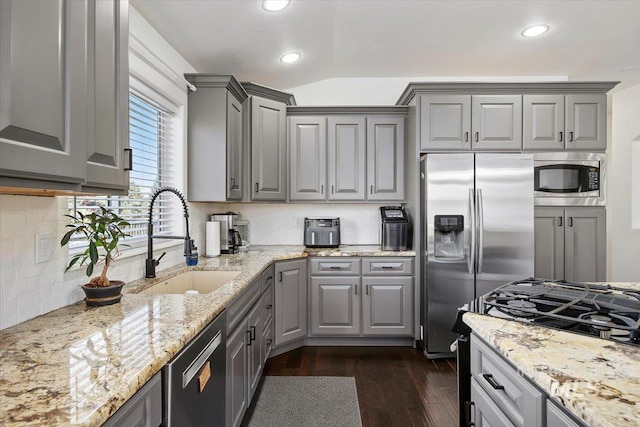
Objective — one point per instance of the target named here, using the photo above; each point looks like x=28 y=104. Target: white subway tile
x=14 y=223
x=10 y=316
x=28 y=305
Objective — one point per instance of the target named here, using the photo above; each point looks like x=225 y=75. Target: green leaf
x=72 y=262
x=93 y=252
x=81 y=216
x=66 y=237
x=89 y=270
x=113 y=244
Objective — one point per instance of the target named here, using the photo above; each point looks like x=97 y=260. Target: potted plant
x=103 y=230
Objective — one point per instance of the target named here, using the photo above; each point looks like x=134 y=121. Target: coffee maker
x=230 y=239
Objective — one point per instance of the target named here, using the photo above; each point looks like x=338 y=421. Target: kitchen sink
x=202 y=282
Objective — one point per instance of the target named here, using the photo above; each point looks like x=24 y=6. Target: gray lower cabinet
x=557 y=417
x=335 y=305
x=387 y=306
x=255 y=348
x=307 y=158
x=237 y=393
x=215 y=138
x=268 y=149
x=486 y=412
x=385 y=158
x=290 y=295
x=559 y=122
x=63 y=95
x=570 y=243
x=144 y=409
x=346 y=157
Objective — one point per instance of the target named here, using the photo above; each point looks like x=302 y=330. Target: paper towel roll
x=212 y=232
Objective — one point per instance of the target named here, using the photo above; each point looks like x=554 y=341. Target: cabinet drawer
x=238 y=308
x=267 y=305
x=487 y=413
x=335 y=266
x=518 y=399
x=382 y=266
x=268 y=277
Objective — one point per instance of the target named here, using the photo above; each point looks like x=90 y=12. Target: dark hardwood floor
x=397 y=386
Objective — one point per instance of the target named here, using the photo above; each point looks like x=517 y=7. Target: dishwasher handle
x=199 y=361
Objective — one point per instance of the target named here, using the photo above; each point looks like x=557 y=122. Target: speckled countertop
x=597 y=380
x=78 y=365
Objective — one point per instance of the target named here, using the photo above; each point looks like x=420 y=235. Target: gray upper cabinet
x=496 y=122
x=586 y=122
x=346 y=154
x=215 y=143
x=308 y=157
x=108 y=161
x=570 y=244
x=335 y=305
x=63 y=95
x=268 y=149
x=385 y=158
x=445 y=122
x=543 y=122
x=290 y=301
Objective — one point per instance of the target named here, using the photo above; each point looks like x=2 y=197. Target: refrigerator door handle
x=480 y=223
x=471 y=265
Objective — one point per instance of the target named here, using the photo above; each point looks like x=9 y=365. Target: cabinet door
x=387 y=306
x=543 y=122
x=346 y=158
x=43 y=90
x=143 y=409
x=107 y=158
x=549 y=243
x=290 y=301
x=267 y=341
x=586 y=122
x=385 y=158
x=237 y=383
x=486 y=412
x=254 y=349
x=234 y=148
x=497 y=122
x=268 y=149
x=445 y=122
x=585 y=244
x=307 y=158
x=335 y=305
x=556 y=417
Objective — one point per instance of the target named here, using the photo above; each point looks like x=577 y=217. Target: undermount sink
x=202 y=282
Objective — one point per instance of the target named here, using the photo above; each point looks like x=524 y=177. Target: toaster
x=321 y=232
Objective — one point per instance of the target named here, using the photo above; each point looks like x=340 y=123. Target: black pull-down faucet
x=189 y=246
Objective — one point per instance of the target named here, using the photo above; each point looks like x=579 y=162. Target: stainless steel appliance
x=230 y=239
x=601 y=311
x=569 y=179
x=479 y=234
x=321 y=232
x=195 y=379
x=395 y=228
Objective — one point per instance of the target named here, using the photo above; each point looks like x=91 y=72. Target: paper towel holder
x=212 y=239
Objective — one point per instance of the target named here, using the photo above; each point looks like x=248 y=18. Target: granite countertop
x=78 y=365
x=597 y=380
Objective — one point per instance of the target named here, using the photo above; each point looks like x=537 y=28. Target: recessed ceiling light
x=535 y=30
x=275 y=5
x=290 y=58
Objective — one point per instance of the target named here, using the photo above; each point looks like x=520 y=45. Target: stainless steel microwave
x=569 y=179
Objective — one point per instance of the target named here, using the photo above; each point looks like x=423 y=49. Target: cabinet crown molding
x=478 y=88
x=228 y=82
x=256 y=89
x=337 y=110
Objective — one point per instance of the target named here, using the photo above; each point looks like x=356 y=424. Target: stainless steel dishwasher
x=195 y=380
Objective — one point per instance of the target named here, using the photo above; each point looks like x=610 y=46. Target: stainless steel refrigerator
x=478 y=229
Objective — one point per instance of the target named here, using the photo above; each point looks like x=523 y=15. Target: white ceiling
x=588 y=40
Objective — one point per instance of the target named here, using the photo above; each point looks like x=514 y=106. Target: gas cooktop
x=602 y=311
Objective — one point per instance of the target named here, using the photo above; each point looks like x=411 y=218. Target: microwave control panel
x=593 y=180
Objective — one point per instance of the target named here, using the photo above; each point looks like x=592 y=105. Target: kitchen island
x=78 y=365
x=597 y=380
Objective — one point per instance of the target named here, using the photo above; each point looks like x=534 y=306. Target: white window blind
x=152 y=138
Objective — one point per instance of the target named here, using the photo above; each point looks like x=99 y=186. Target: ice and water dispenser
x=449 y=236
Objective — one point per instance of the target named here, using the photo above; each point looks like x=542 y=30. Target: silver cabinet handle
x=130 y=152
x=199 y=361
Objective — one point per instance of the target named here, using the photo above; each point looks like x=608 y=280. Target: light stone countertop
x=595 y=379
x=78 y=365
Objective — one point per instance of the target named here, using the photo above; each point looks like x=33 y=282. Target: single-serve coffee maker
x=230 y=239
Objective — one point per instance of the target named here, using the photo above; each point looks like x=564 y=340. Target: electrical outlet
x=44 y=247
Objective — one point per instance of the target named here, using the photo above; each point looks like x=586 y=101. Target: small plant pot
x=99 y=296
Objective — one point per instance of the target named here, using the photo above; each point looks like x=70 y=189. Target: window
x=152 y=139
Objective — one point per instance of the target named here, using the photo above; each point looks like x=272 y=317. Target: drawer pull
x=269 y=306
x=335 y=267
x=269 y=278
x=492 y=382
x=387 y=267
x=249 y=339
